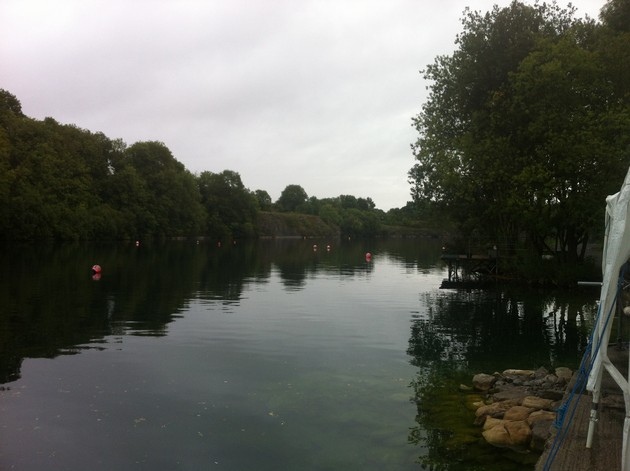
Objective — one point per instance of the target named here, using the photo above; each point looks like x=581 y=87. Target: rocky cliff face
x=293 y=225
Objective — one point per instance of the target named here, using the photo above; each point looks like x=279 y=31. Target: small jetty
x=469 y=271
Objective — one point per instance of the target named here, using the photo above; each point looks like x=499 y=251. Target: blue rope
x=586 y=366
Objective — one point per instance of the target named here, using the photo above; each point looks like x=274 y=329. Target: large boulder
x=506 y=391
x=517 y=413
x=496 y=410
x=483 y=381
x=539 y=415
x=509 y=434
x=492 y=422
x=537 y=403
x=564 y=374
x=513 y=372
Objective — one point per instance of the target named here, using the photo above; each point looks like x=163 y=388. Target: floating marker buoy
x=328 y=248
x=368 y=256
x=137 y=243
x=315 y=248
x=96 y=276
x=96 y=268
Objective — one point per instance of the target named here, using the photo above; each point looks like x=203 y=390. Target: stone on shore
x=491 y=422
x=540 y=415
x=509 y=392
x=483 y=382
x=496 y=410
x=518 y=410
x=509 y=434
x=537 y=402
x=518 y=413
x=512 y=372
x=564 y=373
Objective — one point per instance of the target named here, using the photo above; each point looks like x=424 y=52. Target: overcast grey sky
x=310 y=92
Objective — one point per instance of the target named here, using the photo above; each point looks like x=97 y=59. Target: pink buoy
x=368 y=256
x=96 y=268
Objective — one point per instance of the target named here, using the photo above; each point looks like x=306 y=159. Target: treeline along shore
x=61 y=182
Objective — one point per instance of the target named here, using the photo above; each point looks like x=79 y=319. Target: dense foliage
x=61 y=182
x=527 y=125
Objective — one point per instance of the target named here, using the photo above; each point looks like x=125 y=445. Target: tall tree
x=564 y=120
x=264 y=200
x=513 y=135
x=291 y=198
x=616 y=15
x=231 y=208
x=173 y=205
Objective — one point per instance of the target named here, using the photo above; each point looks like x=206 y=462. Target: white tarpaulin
x=615 y=255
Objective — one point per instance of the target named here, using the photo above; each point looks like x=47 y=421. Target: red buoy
x=96 y=268
x=368 y=256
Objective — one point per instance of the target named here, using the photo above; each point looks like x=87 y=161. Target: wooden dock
x=470 y=270
x=605 y=454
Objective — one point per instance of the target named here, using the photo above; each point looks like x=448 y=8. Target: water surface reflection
x=459 y=333
x=272 y=355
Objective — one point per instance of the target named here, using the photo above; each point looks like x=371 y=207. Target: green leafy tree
x=613 y=46
x=128 y=193
x=567 y=151
x=348 y=201
x=231 y=207
x=616 y=15
x=291 y=198
x=330 y=214
x=173 y=204
x=50 y=187
x=264 y=200
x=513 y=135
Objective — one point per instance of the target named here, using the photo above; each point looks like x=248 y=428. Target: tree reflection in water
x=457 y=334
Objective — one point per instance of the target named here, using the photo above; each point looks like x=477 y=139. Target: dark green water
x=266 y=356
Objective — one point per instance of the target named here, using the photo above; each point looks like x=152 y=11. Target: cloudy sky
x=311 y=92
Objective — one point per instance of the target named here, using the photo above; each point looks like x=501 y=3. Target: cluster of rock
x=518 y=406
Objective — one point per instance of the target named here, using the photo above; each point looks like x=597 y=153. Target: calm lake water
x=262 y=356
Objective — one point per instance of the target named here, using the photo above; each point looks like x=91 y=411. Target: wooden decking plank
x=605 y=454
